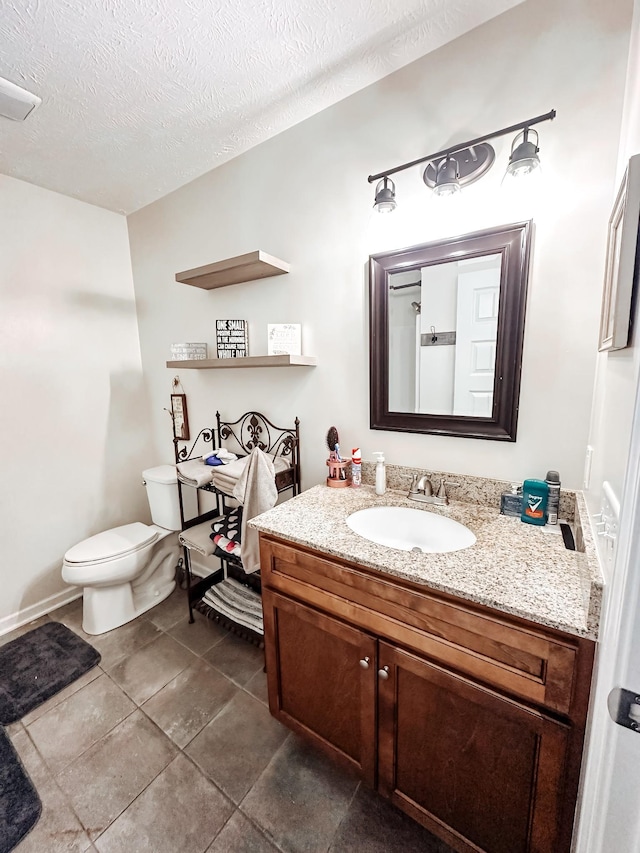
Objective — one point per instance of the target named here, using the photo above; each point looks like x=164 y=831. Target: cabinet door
x=483 y=772
x=321 y=675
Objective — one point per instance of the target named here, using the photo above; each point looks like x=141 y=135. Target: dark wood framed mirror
x=446 y=334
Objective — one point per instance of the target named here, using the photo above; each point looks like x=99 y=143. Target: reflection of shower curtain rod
x=402 y=286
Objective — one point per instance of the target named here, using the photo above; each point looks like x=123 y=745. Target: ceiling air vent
x=16 y=103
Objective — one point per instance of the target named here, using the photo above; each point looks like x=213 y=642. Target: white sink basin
x=410 y=529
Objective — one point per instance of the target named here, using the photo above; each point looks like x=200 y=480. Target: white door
x=609 y=811
x=476 y=333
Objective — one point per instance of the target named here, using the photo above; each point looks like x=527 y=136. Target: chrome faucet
x=421 y=490
x=422 y=485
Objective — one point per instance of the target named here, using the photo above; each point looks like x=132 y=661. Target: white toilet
x=129 y=569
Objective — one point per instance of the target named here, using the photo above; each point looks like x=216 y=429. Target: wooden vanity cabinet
x=323 y=689
x=465 y=762
x=487 y=765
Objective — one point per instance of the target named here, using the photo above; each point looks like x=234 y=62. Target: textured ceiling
x=141 y=96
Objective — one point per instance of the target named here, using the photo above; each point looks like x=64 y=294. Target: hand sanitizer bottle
x=381 y=473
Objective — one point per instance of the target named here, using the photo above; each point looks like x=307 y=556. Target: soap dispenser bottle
x=381 y=473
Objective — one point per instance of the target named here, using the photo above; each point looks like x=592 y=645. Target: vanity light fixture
x=470 y=164
x=524 y=156
x=385 y=200
x=447 y=177
x=461 y=164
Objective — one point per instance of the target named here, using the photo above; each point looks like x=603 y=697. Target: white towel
x=224 y=484
x=224 y=455
x=199 y=539
x=234 y=469
x=195 y=473
x=225 y=477
x=256 y=491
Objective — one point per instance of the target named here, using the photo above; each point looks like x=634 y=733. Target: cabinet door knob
x=364 y=663
x=384 y=672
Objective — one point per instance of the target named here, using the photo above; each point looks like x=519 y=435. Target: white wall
x=610 y=819
x=617 y=372
x=303 y=196
x=74 y=429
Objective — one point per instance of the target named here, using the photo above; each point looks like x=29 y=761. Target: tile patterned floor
x=168 y=747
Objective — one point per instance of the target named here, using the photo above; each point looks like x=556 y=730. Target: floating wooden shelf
x=247 y=267
x=248 y=361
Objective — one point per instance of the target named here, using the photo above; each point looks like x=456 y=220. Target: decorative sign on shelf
x=284 y=339
x=187 y=352
x=231 y=338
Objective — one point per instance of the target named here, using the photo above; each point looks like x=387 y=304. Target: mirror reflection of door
x=477 y=332
x=443 y=321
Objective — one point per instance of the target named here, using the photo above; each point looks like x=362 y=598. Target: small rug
x=20 y=806
x=37 y=665
x=33 y=668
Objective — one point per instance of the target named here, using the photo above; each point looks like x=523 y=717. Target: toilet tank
x=162 y=493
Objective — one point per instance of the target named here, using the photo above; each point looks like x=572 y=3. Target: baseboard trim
x=34 y=611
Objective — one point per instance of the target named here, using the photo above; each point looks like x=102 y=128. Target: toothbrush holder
x=339 y=477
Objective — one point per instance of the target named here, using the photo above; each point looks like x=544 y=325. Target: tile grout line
x=263 y=832
x=140 y=793
x=133 y=711
x=345 y=815
x=135 y=701
x=180 y=750
x=151 y=781
x=60 y=790
x=49 y=768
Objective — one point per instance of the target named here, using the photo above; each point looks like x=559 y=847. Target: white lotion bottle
x=381 y=473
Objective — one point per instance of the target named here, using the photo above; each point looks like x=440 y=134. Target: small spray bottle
x=356 y=467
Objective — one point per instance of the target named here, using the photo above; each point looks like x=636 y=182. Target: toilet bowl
x=129 y=569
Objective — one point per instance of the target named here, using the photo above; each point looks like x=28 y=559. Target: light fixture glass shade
x=447 y=182
x=524 y=156
x=385 y=199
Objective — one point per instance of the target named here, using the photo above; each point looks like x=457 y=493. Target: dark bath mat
x=37 y=665
x=20 y=805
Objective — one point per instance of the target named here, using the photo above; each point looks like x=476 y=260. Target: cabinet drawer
x=501 y=651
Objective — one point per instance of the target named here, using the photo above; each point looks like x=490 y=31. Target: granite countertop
x=513 y=567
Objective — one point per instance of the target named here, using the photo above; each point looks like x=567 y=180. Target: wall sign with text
x=231 y=338
x=180 y=417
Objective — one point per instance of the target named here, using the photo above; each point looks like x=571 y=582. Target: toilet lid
x=112 y=543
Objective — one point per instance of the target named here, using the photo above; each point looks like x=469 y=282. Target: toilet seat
x=117 y=542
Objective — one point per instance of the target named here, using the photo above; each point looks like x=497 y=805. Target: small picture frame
x=284 y=339
x=621 y=267
x=180 y=417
